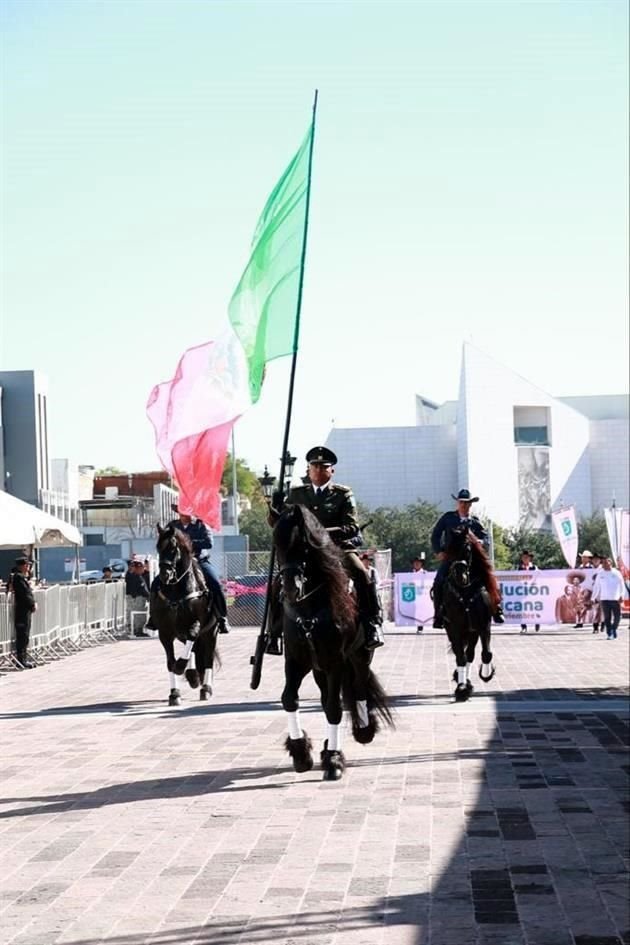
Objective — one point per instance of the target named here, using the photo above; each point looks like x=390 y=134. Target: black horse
x=181 y=611
x=322 y=635
x=471 y=594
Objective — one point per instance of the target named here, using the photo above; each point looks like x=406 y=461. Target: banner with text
x=560 y=597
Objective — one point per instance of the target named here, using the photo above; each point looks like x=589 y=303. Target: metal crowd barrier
x=69 y=617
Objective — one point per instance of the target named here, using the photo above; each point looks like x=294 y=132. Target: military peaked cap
x=23 y=560
x=464 y=495
x=321 y=454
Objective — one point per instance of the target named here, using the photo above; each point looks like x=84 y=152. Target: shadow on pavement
x=539 y=861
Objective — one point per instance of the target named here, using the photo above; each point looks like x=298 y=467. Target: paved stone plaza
x=503 y=821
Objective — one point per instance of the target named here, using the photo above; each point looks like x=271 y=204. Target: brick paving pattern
x=503 y=821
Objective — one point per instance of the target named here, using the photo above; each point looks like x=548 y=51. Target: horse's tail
x=360 y=684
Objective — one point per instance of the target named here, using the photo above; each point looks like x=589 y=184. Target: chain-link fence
x=245 y=576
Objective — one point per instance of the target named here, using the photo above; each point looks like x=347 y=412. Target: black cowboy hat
x=464 y=495
x=23 y=560
x=321 y=455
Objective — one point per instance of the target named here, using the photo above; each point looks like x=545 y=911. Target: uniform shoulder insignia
x=337 y=487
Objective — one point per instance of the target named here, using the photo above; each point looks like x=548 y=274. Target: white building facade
x=522 y=451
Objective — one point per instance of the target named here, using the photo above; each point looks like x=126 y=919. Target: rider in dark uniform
x=334 y=506
x=24 y=607
x=439 y=542
x=201 y=540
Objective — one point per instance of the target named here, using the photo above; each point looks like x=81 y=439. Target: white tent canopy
x=22 y=524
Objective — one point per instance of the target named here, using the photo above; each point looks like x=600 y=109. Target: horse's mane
x=327 y=559
x=481 y=563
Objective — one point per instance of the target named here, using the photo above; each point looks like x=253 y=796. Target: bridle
x=168 y=564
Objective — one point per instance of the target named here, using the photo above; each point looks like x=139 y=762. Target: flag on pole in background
x=565 y=526
x=193 y=413
x=618 y=526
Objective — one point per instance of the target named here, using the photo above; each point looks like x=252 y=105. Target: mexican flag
x=215 y=383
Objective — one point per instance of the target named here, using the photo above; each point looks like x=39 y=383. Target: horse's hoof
x=364 y=734
x=192 y=677
x=175 y=697
x=462 y=693
x=469 y=687
x=204 y=693
x=300 y=750
x=180 y=666
x=333 y=765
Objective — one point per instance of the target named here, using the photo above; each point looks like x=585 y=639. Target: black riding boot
x=438 y=606
x=373 y=619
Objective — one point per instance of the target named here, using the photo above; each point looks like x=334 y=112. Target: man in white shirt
x=609 y=590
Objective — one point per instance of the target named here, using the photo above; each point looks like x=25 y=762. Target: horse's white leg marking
x=183 y=650
x=461 y=675
x=207 y=678
x=486 y=670
x=362 y=712
x=468 y=671
x=174 y=680
x=334 y=737
x=293 y=721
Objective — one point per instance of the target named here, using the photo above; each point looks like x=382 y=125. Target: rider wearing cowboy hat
x=439 y=541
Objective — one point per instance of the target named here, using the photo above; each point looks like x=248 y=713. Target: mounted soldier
x=201 y=539
x=455 y=519
x=334 y=506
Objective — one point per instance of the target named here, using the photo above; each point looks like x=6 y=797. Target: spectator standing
x=24 y=607
x=586 y=564
x=137 y=597
x=608 y=590
x=108 y=574
x=146 y=573
x=594 y=608
x=417 y=564
x=526 y=563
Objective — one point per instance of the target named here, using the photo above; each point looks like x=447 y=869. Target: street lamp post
x=266 y=483
x=288 y=465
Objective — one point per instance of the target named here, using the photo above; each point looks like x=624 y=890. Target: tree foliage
x=543 y=546
x=110 y=471
x=406 y=531
x=594 y=535
x=246 y=481
x=253 y=522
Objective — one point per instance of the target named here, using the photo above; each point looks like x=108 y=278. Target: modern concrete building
x=523 y=451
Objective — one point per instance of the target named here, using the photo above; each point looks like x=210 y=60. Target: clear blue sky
x=470 y=181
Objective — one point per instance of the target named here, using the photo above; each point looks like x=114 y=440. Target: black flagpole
x=263 y=637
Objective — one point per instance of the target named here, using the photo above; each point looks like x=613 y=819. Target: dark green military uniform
x=334 y=508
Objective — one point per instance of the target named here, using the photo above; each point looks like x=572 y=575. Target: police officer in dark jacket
x=440 y=538
x=201 y=540
x=334 y=507
x=24 y=607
